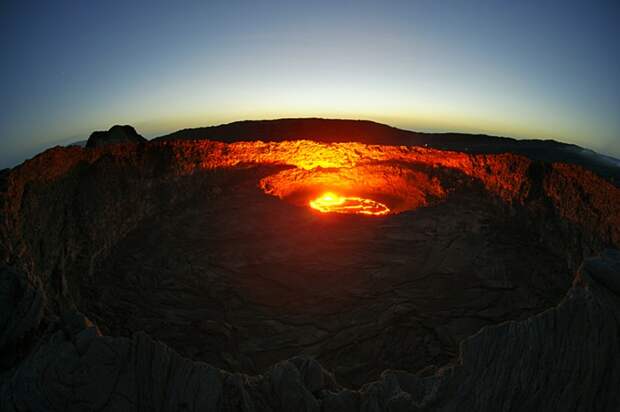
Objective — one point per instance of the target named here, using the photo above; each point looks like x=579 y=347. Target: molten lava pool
x=330 y=202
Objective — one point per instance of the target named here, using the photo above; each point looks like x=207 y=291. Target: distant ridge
x=323 y=130
x=369 y=132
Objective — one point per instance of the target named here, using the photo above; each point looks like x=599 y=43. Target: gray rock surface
x=565 y=358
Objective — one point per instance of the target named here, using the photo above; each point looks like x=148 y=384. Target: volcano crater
x=213 y=249
x=243 y=273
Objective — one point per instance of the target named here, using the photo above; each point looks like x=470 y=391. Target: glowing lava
x=330 y=202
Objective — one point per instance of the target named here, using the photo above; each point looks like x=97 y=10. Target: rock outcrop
x=21 y=310
x=117 y=134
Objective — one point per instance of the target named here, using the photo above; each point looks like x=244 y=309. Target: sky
x=525 y=69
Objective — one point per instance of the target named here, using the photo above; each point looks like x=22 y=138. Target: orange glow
x=403 y=178
x=330 y=202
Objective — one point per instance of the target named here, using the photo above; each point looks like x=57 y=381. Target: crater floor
x=241 y=280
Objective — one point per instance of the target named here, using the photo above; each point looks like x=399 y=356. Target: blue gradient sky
x=534 y=69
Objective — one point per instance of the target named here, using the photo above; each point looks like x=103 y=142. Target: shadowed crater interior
x=243 y=273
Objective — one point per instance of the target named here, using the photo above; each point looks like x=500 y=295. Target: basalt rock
x=21 y=311
x=117 y=134
x=564 y=358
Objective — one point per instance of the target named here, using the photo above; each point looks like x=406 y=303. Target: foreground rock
x=562 y=359
x=342 y=130
x=21 y=311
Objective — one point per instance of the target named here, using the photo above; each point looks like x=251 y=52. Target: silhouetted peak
x=116 y=134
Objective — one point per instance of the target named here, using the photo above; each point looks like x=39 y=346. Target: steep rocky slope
x=204 y=246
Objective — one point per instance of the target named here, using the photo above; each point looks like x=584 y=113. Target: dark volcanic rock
x=605 y=270
x=562 y=359
x=21 y=311
x=117 y=134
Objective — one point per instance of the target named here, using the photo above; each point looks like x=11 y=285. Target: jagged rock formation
x=248 y=299
x=562 y=359
x=117 y=134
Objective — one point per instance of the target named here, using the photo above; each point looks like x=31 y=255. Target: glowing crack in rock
x=330 y=202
